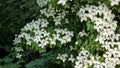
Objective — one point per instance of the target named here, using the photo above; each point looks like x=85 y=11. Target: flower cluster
x=64 y=57
x=41 y=37
x=86 y=60
x=18 y=50
x=50 y=11
x=59 y=17
x=63 y=36
x=56 y=14
x=82 y=59
x=35 y=32
x=105 y=26
x=112 y=57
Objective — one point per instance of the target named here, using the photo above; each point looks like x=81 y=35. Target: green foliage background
x=14 y=14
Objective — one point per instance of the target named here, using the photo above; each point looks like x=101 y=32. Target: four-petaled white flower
x=114 y=2
x=62 y=2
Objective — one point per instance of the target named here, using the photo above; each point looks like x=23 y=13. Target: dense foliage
x=60 y=33
x=14 y=15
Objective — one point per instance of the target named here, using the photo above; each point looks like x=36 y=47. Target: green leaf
x=39 y=63
x=90 y=27
x=11 y=65
x=6 y=59
x=0 y=25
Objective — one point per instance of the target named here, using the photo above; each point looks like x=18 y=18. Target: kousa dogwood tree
x=84 y=33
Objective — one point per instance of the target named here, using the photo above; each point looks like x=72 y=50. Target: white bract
x=82 y=33
x=72 y=59
x=62 y=57
x=114 y=2
x=43 y=3
x=18 y=50
x=62 y=2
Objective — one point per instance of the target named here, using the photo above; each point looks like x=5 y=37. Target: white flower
x=16 y=41
x=41 y=45
x=62 y=57
x=48 y=12
x=44 y=23
x=57 y=21
x=42 y=3
x=82 y=33
x=72 y=59
x=114 y=2
x=37 y=39
x=62 y=2
x=71 y=48
x=28 y=42
x=82 y=61
x=18 y=49
x=63 y=35
x=19 y=55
